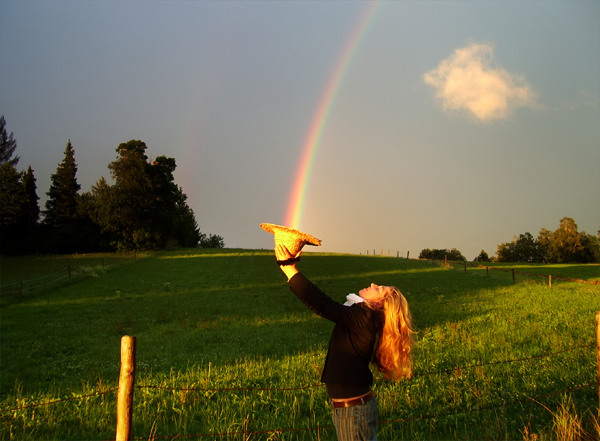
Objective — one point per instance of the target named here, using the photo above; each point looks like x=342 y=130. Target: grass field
x=494 y=360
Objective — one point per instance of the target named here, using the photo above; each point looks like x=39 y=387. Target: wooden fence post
x=550 y=281
x=598 y=354
x=125 y=394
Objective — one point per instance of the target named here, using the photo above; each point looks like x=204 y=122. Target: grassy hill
x=223 y=347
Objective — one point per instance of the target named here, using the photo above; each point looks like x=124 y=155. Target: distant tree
x=28 y=228
x=132 y=197
x=522 y=249
x=171 y=214
x=591 y=247
x=544 y=240
x=144 y=209
x=89 y=234
x=61 y=206
x=31 y=208
x=483 y=257
x=565 y=244
x=185 y=228
x=7 y=145
x=442 y=254
x=212 y=241
x=19 y=210
x=12 y=195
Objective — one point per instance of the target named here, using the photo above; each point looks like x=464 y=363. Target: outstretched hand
x=282 y=253
x=287 y=262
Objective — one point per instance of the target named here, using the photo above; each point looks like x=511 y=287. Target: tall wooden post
x=125 y=394
x=550 y=281
x=598 y=354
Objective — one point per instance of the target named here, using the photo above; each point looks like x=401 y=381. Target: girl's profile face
x=373 y=293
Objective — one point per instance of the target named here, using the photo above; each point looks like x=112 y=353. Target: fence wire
x=421 y=374
x=505 y=403
x=284 y=389
x=62 y=400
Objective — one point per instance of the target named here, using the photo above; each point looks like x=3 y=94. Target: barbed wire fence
x=514 y=272
x=128 y=367
x=447 y=263
x=70 y=273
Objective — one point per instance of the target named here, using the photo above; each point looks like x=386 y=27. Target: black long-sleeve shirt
x=346 y=371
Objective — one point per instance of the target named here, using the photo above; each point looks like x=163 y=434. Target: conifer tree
x=12 y=196
x=7 y=145
x=61 y=206
x=31 y=208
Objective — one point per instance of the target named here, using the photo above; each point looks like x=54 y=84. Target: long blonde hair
x=392 y=354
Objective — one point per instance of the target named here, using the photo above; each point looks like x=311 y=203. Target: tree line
x=142 y=209
x=564 y=245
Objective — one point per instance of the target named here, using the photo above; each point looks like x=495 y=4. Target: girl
x=374 y=326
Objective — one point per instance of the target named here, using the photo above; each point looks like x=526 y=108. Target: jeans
x=356 y=423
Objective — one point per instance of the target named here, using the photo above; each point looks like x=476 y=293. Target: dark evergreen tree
x=61 y=227
x=28 y=227
x=185 y=229
x=19 y=209
x=131 y=198
x=12 y=195
x=61 y=206
x=11 y=202
x=7 y=145
x=483 y=257
x=31 y=209
x=16 y=226
x=144 y=209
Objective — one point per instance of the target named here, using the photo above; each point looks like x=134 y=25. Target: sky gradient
x=434 y=124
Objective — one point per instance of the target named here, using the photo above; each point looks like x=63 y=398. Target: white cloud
x=467 y=81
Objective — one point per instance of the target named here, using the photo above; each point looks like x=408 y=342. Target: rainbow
x=313 y=139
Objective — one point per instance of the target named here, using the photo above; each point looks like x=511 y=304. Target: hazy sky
x=455 y=124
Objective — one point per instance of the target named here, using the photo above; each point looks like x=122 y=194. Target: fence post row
x=126 y=387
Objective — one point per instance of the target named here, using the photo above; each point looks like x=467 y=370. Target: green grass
x=207 y=320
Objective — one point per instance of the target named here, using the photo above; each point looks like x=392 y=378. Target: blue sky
x=456 y=125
